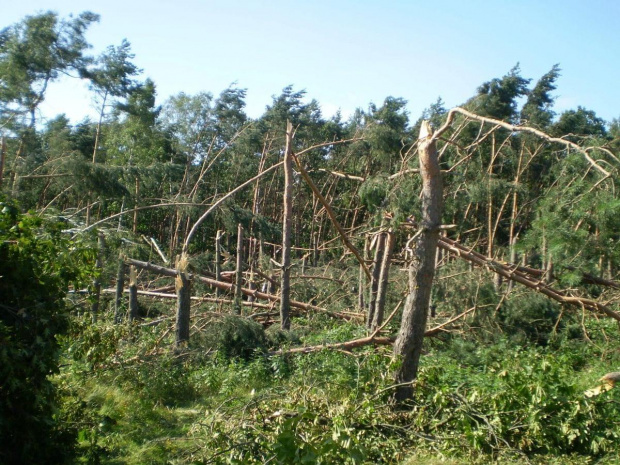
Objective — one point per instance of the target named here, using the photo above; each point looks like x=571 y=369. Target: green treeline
x=508 y=381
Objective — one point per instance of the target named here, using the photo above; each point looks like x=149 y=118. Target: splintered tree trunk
x=285 y=286
x=97 y=280
x=133 y=293
x=120 y=284
x=408 y=345
x=384 y=276
x=374 y=282
x=183 y=288
x=239 y=272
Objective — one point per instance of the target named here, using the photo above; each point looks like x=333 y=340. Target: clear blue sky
x=347 y=53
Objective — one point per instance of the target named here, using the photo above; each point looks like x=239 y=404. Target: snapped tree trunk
x=183 y=288
x=133 y=293
x=285 y=284
x=408 y=345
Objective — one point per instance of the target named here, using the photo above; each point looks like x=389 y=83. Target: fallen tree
x=229 y=286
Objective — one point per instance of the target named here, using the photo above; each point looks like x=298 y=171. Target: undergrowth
x=224 y=399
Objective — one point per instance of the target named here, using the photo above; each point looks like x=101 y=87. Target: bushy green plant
x=233 y=336
x=37 y=263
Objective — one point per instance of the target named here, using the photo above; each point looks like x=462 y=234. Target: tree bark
x=183 y=288
x=239 y=271
x=97 y=280
x=133 y=294
x=120 y=284
x=361 y=283
x=384 y=277
x=2 y=158
x=285 y=286
x=218 y=260
x=374 y=282
x=408 y=345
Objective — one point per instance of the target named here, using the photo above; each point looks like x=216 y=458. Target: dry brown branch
x=219 y=202
x=343 y=175
x=517 y=274
x=332 y=216
x=511 y=127
x=145 y=207
x=373 y=339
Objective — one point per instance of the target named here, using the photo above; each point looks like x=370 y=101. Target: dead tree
x=408 y=345
x=183 y=288
x=285 y=284
x=133 y=294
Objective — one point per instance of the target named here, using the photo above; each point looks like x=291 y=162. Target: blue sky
x=348 y=53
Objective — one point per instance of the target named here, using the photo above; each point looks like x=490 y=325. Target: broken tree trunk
x=529 y=277
x=229 y=286
x=408 y=345
x=183 y=288
x=133 y=294
x=285 y=283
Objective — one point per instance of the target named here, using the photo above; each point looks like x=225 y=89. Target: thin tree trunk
x=383 y=281
x=2 y=158
x=135 y=212
x=285 y=286
x=408 y=345
x=218 y=260
x=374 y=281
x=183 y=288
x=98 y=132
x=239 y=271
x=120 y=284
x=133 y=293
x=97 y=280
x=361 y=283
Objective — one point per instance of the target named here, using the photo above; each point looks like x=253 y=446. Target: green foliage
x=37 y=263
x=35 y=52
x=531 y=316
x=234 y=337
x=527 y=401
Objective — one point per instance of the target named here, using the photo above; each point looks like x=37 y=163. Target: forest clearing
x=181 y=283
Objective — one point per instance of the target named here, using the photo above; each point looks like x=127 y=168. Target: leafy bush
x=36 y=265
